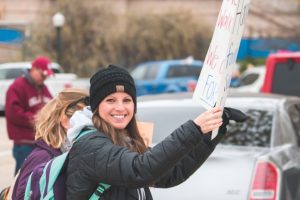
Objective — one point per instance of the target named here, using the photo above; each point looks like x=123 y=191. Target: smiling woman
x=118 y=153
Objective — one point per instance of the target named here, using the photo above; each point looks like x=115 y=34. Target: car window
x=183 y=71
x=193 y=70
x=56 y=71
x=249 y=79
x=139 y=72
x=2 y=74
x=286 y=78
x=256 y=131
x=145 y=72
x=294 y=113
x=152 y=71
x=11 y=73
x=56 y=68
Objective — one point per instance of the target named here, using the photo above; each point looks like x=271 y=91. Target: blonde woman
x=51 y=125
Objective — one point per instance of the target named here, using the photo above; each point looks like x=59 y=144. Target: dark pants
x=20 y=152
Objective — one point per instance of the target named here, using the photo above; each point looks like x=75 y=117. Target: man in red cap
x=24 y=98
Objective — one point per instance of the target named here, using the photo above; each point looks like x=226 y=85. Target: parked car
x=167 y=76
x=251 y=80
x=55 y=83
x=258 y=159
x=282 y=73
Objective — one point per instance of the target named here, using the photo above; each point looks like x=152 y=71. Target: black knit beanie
x=110 y=80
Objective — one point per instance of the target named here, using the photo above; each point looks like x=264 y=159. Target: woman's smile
x=117 y=109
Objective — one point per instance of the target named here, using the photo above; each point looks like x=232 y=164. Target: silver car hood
x=226 y=175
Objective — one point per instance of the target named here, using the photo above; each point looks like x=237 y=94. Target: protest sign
x=214 y=80
x=146 y=131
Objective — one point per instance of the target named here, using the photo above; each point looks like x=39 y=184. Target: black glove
x=233 y=114
x=228 y=114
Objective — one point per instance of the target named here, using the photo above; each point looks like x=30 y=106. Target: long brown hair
x=119 y=136
x=47 y=122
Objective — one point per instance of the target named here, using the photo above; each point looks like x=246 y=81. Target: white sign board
x=213 y=83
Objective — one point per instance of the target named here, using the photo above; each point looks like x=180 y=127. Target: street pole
x=58 y=21
x=58 y=45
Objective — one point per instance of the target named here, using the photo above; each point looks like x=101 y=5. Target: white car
x=258 y=159
x=251 y=80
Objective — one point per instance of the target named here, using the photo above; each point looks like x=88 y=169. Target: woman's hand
x=209 y=120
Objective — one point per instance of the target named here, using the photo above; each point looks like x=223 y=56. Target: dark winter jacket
x=23 y=100
x=42 y=153
x=94 y=158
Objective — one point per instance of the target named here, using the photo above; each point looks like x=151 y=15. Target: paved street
x=7 y=163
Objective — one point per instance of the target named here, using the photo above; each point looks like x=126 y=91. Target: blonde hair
x=47 y=123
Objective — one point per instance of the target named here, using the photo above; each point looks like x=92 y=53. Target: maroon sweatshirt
x=23 y=100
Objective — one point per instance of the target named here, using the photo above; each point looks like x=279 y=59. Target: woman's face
x=65 y=121
x=117 y=109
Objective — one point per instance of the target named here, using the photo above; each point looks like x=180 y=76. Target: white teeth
x=119 y=116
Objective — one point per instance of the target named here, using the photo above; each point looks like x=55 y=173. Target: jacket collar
x=41 y=144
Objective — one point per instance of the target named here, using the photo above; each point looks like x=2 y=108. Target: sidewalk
x=7 y=163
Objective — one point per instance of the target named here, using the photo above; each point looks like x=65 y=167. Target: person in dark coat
x=117 y=155
x=51 y=125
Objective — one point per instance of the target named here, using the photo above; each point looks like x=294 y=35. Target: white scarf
x=81 y=119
